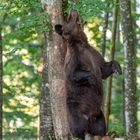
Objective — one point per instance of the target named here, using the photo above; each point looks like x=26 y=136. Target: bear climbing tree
x=84 y=70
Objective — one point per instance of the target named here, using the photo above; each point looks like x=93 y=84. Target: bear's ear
x=58 y=29
x=74 y=16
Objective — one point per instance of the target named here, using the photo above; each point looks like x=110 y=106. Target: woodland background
x=27 y=54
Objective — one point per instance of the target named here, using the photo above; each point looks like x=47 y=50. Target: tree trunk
x=105 y=26
x=46 y=126
x=134 y=11
x=129 y=68
x=55 y=70
x=1 y=93
x=114 y=29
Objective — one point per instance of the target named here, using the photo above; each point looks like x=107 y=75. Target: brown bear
x=84 y=70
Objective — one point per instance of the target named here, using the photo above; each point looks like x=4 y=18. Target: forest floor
x=133 y=137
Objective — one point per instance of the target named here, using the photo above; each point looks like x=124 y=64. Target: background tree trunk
x=112 y=52
x=134 y=11
x=105 y=26
x=46 y=126
x=129 y=68
x=55 y=69
x=1 y=73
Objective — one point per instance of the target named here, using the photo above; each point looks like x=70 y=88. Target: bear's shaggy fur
x=84 y=70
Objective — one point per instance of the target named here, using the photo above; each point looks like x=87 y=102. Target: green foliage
x=117 y=106
x=25 y=18
x=22 y=43
x=23 y=25
x=87 y=8
x=75 y=139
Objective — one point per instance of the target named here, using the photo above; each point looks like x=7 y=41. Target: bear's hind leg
x=98 y=126
x=78 y=125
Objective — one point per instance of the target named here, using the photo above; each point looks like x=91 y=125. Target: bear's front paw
x=116 y=67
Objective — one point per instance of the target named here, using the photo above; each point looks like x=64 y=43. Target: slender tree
x=134 y=10
x=105 y=26
x=55 y=53
x=1 y=72
x=129 y=68
x=113 y=45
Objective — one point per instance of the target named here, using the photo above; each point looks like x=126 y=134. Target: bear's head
x=71 y=30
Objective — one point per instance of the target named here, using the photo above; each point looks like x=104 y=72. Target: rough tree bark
x=46 y=126
x=55 y=69
x=129 y=68
x=112 y=53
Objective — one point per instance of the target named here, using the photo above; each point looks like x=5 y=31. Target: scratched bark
x=55 y=69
